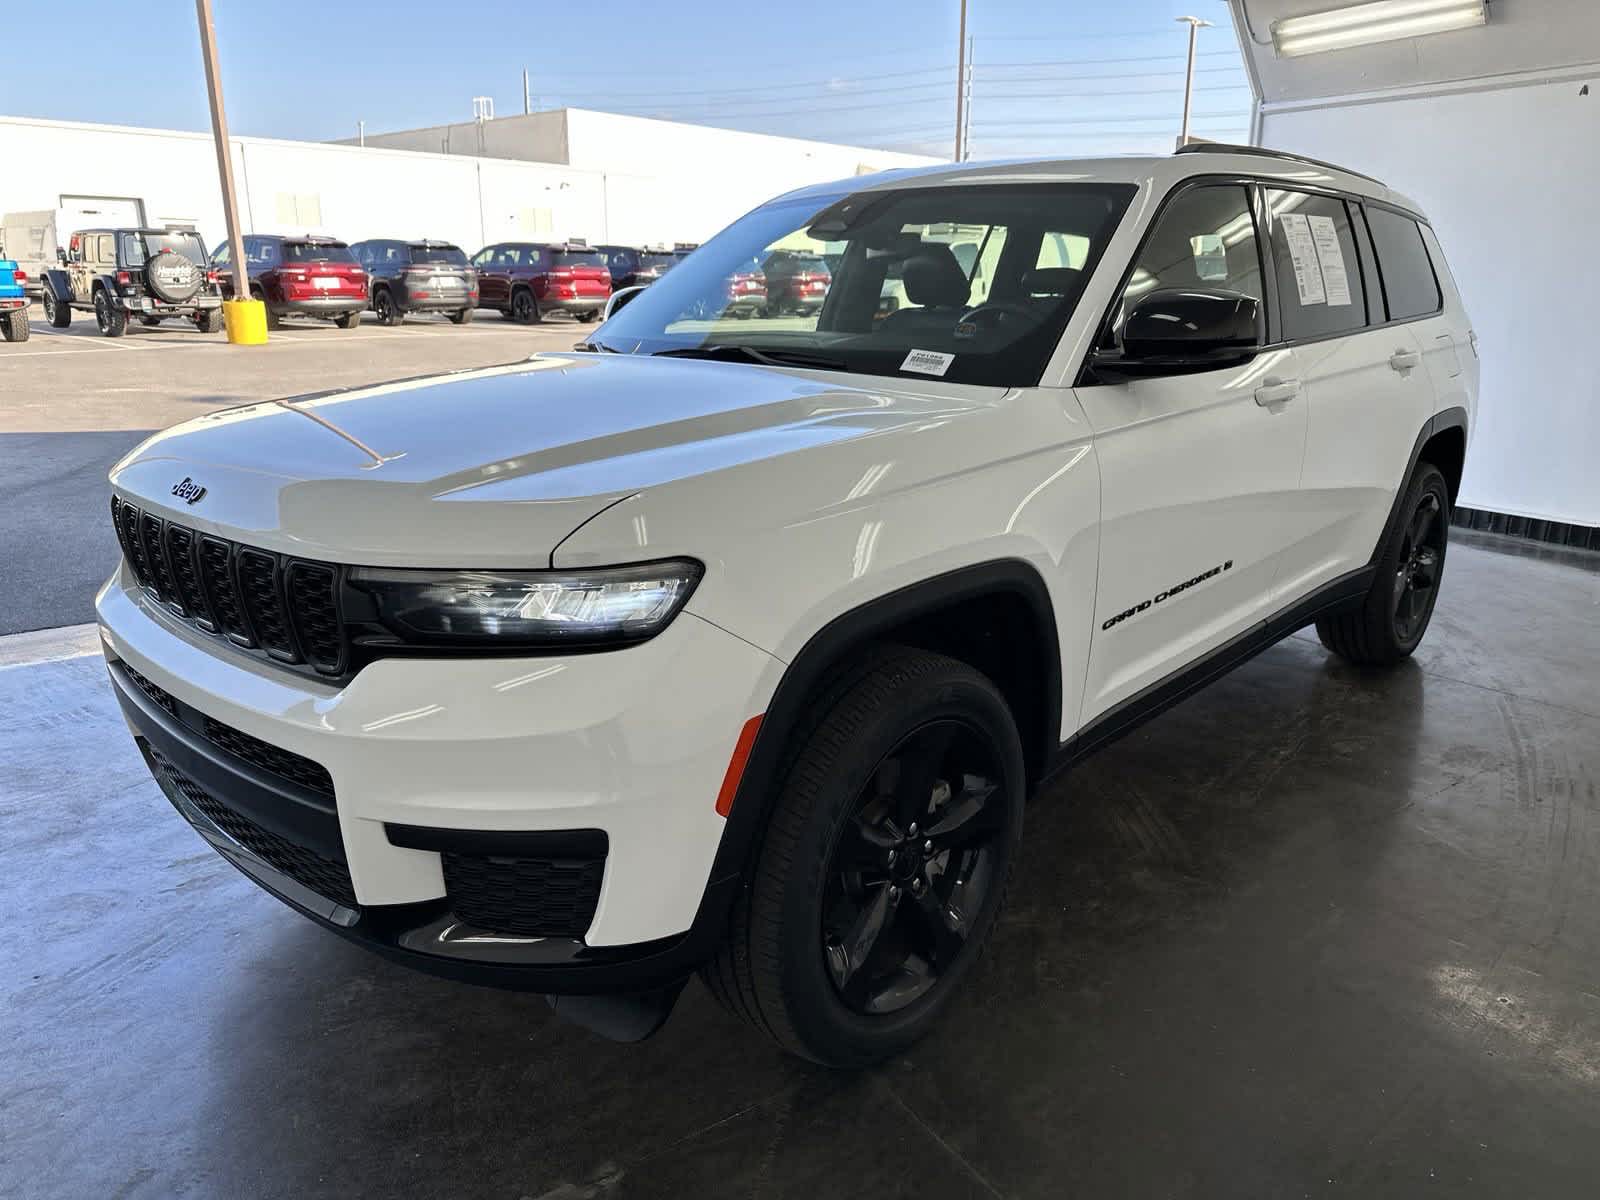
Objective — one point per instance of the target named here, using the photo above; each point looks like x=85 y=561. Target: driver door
x=1199 y=471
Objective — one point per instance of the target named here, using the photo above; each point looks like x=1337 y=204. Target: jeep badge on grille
x=188 y=491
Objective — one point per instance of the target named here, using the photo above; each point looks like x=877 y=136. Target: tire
x=1391 y=619
x=587 y=318
x=57 y=312
x=113 y=322
x=461 y=317
x=786 y=965
x=208 y=320
x=348 y=320
x=525 y=307
x=385 y=309
x=150 y=322
x=15 y=326
x=274 y=320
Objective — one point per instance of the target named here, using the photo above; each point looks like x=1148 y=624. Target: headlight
x=528 y=608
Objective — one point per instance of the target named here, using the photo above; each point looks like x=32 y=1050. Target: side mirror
x=618 y=301
x=61 y=256
x=1180 y=330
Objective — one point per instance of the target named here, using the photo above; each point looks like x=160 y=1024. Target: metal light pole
x=1195 y=24
x=961 y=86
x=219 y=131
x=966 y=106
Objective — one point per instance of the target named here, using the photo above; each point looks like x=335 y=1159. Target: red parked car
x=307 y=276
x=747 y=292
x=796 y=282
x=526 y=280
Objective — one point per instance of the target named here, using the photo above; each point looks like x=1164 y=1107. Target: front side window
x=1319 y=273
x=1409 y=284
x=915 y=282
x=1206 y=238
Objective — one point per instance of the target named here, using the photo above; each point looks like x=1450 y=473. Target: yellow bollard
x=245 y=321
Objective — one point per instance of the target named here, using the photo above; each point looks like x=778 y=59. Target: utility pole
x=361 y=133
x=219 y=132
x=961 y=86
x=1195 y=25
x=527 y=96
x=966 y=107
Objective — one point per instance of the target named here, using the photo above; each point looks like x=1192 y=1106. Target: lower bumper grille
x=524 y=897
x=324 y=876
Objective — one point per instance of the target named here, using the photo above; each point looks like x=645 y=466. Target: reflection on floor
x=1315 y=931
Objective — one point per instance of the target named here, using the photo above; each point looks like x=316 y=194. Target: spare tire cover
x=172 y=277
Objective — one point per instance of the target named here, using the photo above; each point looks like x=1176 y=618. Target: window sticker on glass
x=1302 y=248
x=927 y=362
x=1330 y=260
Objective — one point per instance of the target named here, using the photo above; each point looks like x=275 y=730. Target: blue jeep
x=13 y=303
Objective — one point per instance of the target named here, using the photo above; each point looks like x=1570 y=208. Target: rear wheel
x=525 y=308
x=461 y=317
x=15 y=326
x=57 y=312
x=150 y=322
x=385 y=309
x=113 y=322
x=1395 y=613
x=348 y=320
x=884 y=863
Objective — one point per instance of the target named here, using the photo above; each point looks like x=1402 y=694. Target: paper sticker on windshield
x=1330 y=258
x=927 y=362
x=1303 y=250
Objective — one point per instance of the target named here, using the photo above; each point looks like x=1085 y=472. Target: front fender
x=59 y=284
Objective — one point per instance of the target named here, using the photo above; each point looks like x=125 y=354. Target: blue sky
x=1068 y=77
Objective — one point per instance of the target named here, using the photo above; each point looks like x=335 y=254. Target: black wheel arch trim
x=829 y=647
x=1444 y=419
x=59 y=284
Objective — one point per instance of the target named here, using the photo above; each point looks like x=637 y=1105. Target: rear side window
x=1319 y=273
x=1409 y=285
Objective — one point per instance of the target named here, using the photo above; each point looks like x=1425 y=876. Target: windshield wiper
x=772 y=357
x=594 y=347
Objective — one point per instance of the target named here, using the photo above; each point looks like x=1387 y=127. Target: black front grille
x=275 y=760
x=524 y=897
x=285 y=607
x=324 y=876
x=158 y=694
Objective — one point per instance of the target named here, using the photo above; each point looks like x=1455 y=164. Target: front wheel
x=350 y=320
x=587 y=318
x=385 y=309
x=57 y=312
x=1395 y=613
x=884 y=863
x=208 y=320
x=113 y=322
x=525 y=308
x=461 y=316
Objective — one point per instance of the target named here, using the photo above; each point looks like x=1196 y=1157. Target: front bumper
x=632 y=744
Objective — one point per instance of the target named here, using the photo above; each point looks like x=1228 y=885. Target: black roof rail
x=1263 y=152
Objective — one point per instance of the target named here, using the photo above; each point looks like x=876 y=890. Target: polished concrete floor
x=1316 y=932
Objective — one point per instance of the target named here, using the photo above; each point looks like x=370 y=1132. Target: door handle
x=1275 y=391
x=1405 y=360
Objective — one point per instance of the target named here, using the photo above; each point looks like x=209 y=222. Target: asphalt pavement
x=73 y=402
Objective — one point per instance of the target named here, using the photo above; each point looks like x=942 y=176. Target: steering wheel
x=994 y=314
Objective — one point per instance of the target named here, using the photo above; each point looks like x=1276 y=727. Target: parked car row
x=154 y=275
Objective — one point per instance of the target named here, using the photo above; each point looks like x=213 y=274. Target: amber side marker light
x=736 y=764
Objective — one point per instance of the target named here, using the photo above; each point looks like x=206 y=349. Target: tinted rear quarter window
x=1409 y=285
x=1319 y=273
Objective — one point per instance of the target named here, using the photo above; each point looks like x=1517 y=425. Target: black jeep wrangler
x=148 y=274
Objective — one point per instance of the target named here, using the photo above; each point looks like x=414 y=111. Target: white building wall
x=645 y=195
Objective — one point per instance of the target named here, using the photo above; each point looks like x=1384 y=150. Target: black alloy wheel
x=912 y=868
x=1416 y=577
x=524 y=308
x=388 y=312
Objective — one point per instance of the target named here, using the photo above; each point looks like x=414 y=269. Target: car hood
x=496 y=467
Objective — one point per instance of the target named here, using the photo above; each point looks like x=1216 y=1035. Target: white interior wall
x=1508 y=175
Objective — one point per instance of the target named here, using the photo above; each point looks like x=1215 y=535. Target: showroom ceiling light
x=1378 y=21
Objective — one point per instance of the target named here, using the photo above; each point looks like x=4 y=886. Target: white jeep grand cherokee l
x=735 y=646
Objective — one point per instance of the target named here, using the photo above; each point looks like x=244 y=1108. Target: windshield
x=965 y=283
x=139 y=247
x=658 y=261
x=303 y=252
x=438 y=254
